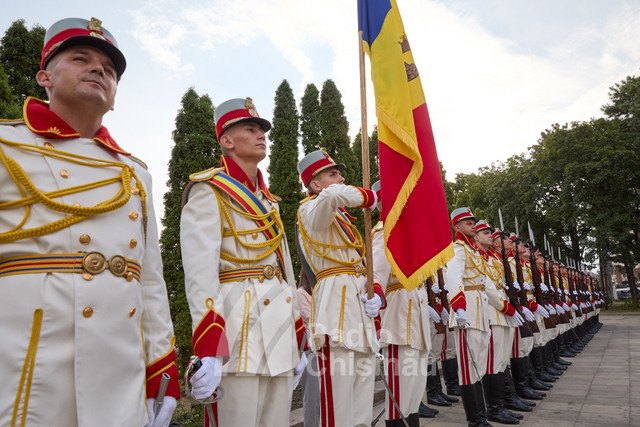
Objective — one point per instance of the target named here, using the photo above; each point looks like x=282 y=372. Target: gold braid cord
x=481 y=268
x=31 y=194
x=270 y=245
x=322 y=250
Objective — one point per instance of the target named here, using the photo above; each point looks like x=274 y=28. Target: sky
x=496 y=73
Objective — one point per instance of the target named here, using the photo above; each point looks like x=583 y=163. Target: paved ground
x=600 y=388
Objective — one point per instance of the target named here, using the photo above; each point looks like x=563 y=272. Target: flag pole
x=365 y=168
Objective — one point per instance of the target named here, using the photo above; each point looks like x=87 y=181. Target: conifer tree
x=310 y=119
x=9 y=109
x=283 y=160
x=195 y=149
x=334 y=129
x=20 y=54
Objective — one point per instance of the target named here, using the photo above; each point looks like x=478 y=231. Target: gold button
x=87 y=312
x=133 y=168
x=132 y=312
x=48 y=145
x=266 y=301
x=133 y=243
x=133 y=215
x=129 y=277
x=288 y=299
x=85 y=239
x=87 y=276
x=135 y=190
x=76 y=205
x=254 y=236
x=64 y=173
x=353 y=260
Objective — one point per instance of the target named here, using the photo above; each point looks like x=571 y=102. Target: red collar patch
x=234 y=171
x=44 y=122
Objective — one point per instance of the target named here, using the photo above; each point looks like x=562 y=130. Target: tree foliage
x=195 y=149
x=310 y=119
x=9 y=109
x=20 y=54
x=334 y=130
x=283 y=161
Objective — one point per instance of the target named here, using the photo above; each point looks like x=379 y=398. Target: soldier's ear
x=43 y=77
x=226 y=142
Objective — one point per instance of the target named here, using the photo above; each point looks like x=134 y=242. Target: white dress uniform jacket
x=75 y=347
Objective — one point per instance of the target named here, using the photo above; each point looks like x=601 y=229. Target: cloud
x=489 y=97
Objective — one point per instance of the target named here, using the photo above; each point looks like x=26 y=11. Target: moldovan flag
x=417 y=232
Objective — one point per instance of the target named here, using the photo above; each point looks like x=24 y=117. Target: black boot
x=433 y=384
x=519 y=370
x=511 y=399
x=556 y=353
x=397 y=422
x=438 y=386
x=450 y=374
x=425 y=412
x=494 y=396
x=533 y=381
x=473 y=403
x=414 y=420
x=538 y=366
x=547 y=356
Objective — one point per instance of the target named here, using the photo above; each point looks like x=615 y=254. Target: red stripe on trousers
x=214 y=406
x=394 y=381
x=326 y=390
x=443 y=351
x=514 y=348
x=464 y=362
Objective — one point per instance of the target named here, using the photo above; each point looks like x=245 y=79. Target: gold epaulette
x=278 y=198
x=140 y=162
x=306 y=199
x=205 y=175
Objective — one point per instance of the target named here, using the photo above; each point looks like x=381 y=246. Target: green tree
x=310 y=119
x=283 y=160
x=334 y=130
x=20 y=54
x=195 y=149
x=9 y=109
x=374 y=175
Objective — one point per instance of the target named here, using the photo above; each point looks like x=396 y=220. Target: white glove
x=298 y=370
x=372 y=306
x=559 y=309
x=163 y=417
x=542 y=311
x=433 y=314
x=516 y=285
x=435 y=288
x=527 y=286
x=461 y=318
x=446 y=288
x=517 y=317
x=528 y=314
x=574 y=307
x=566 y=292
x=206 y=379
x=506 y=287
x=565 y=307
x=550 y=308
x=575 y=292
x=445 y=315
x=544 y=287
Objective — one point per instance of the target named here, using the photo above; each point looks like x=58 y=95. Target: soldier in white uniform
x=87 y=333
x=239 y=279
x=466 y=278
x=502 y=320
x=342 y=315
x=404 y=336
